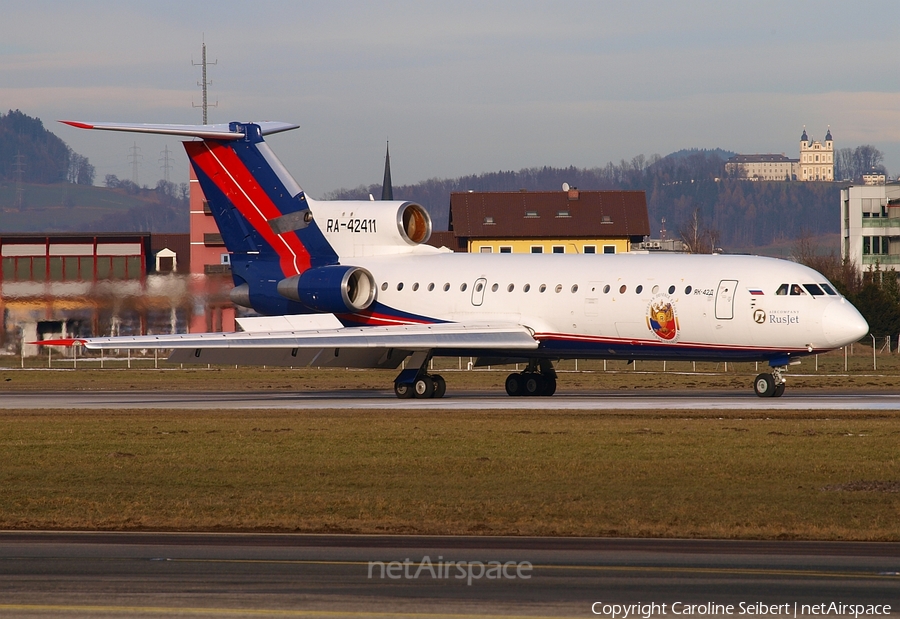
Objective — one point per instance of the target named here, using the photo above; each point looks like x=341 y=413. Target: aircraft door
x=725 y=299
x=478 y=291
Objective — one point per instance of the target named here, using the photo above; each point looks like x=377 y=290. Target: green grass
x=518 y=473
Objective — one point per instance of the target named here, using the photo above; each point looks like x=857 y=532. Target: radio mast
x=204 y=83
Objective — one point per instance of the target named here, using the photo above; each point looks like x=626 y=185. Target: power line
x=203 y=83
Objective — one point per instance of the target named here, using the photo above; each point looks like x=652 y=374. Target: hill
x=68 y=207
x=743 y=215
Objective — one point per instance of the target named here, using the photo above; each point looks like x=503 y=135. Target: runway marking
x=244 y=612
x=596 y=568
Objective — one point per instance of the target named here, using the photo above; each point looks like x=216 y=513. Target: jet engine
x=358 y=228
x=331 y=289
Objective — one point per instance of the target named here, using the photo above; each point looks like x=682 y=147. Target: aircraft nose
x=843 y=324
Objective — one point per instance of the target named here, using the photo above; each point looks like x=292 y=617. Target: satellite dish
x=565 y=186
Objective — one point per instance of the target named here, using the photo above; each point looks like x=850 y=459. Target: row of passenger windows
x=479 y=286
x=816 y=290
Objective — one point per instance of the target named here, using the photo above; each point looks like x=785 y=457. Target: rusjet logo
x=661 y=318
x=784 y=317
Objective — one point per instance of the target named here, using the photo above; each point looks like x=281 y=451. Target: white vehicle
x=353 y=284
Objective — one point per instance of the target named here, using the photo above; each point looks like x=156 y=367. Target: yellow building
x=564 y=222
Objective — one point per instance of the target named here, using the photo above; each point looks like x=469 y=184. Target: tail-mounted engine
x=357 y=228
x=331 y=289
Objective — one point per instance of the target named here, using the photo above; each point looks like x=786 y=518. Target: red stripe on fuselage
x=222 y=165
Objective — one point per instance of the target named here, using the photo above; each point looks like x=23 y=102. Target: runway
x=460 y=400
x=258 y=575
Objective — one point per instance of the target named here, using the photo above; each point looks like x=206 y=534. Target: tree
x=699 y=238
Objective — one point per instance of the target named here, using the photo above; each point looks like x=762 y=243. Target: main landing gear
x=416 y=382
x=539 y=378
x=771 y=385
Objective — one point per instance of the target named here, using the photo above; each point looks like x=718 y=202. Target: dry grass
x=516 y=472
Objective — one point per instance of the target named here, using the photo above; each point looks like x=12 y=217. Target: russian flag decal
x=755 y=292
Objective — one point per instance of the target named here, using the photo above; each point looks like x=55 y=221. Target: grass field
x=784 y=474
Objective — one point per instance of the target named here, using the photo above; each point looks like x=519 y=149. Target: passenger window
x=639 y=290
x=606 y=289
x=446 y=287
x=526 y=287
x=430 y=287
x=671 y=289
x=687 y=290
x=782 y=290
x=655 y=289
x=622 y=289
x=813 y=289
x=495 y=287
x=415 y=286
x=558 y=288
x=384 y=286
x=400 y=286
x=796 y=290
x=574 y=288
x=463 y=286
x=478 y=287
x=543 y=287
x=510 y=288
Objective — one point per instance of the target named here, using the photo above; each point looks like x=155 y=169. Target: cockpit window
x=782 y=289
x=814 y=290
x=828 y=289
x=796 y=290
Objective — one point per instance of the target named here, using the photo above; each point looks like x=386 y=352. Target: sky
x=457 y=87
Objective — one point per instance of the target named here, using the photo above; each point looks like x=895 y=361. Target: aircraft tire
x=440 y=386
x=423 y=387
x=534 y=384
x=514 y=385
x=779 y=391
x=549 y=386
x=764 y=385
x=403 y=390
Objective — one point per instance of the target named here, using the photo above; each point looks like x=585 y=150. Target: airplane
x=354 y=284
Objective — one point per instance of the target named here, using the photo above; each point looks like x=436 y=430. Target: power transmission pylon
x=164 y=159
x=134 y=157
x=19 y=173
x=203 y=83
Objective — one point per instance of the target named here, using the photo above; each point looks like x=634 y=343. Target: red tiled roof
x=549 y=214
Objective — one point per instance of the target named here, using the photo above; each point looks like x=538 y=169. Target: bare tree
x=697 y=237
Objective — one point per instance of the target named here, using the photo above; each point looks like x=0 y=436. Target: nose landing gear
x=770 y=385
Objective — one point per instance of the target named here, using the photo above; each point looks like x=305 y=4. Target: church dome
x=804 y=137
x=828 y=135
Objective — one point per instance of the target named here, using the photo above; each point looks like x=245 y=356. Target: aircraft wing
x=408 y=337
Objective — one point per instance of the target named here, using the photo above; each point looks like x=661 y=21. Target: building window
x=531 y=214
x=590 y=249
x=867 y=245
x=559 y=249
x=609 y=249
x=537 y=249
x=505 y=249
x=486 y=250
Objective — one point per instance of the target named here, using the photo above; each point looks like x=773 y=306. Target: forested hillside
x=741 y=213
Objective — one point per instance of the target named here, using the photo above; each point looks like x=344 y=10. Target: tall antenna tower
x=165 y=162
x=204 y=83
x=134 y=157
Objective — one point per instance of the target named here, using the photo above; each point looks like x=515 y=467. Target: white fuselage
x=634 y=305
